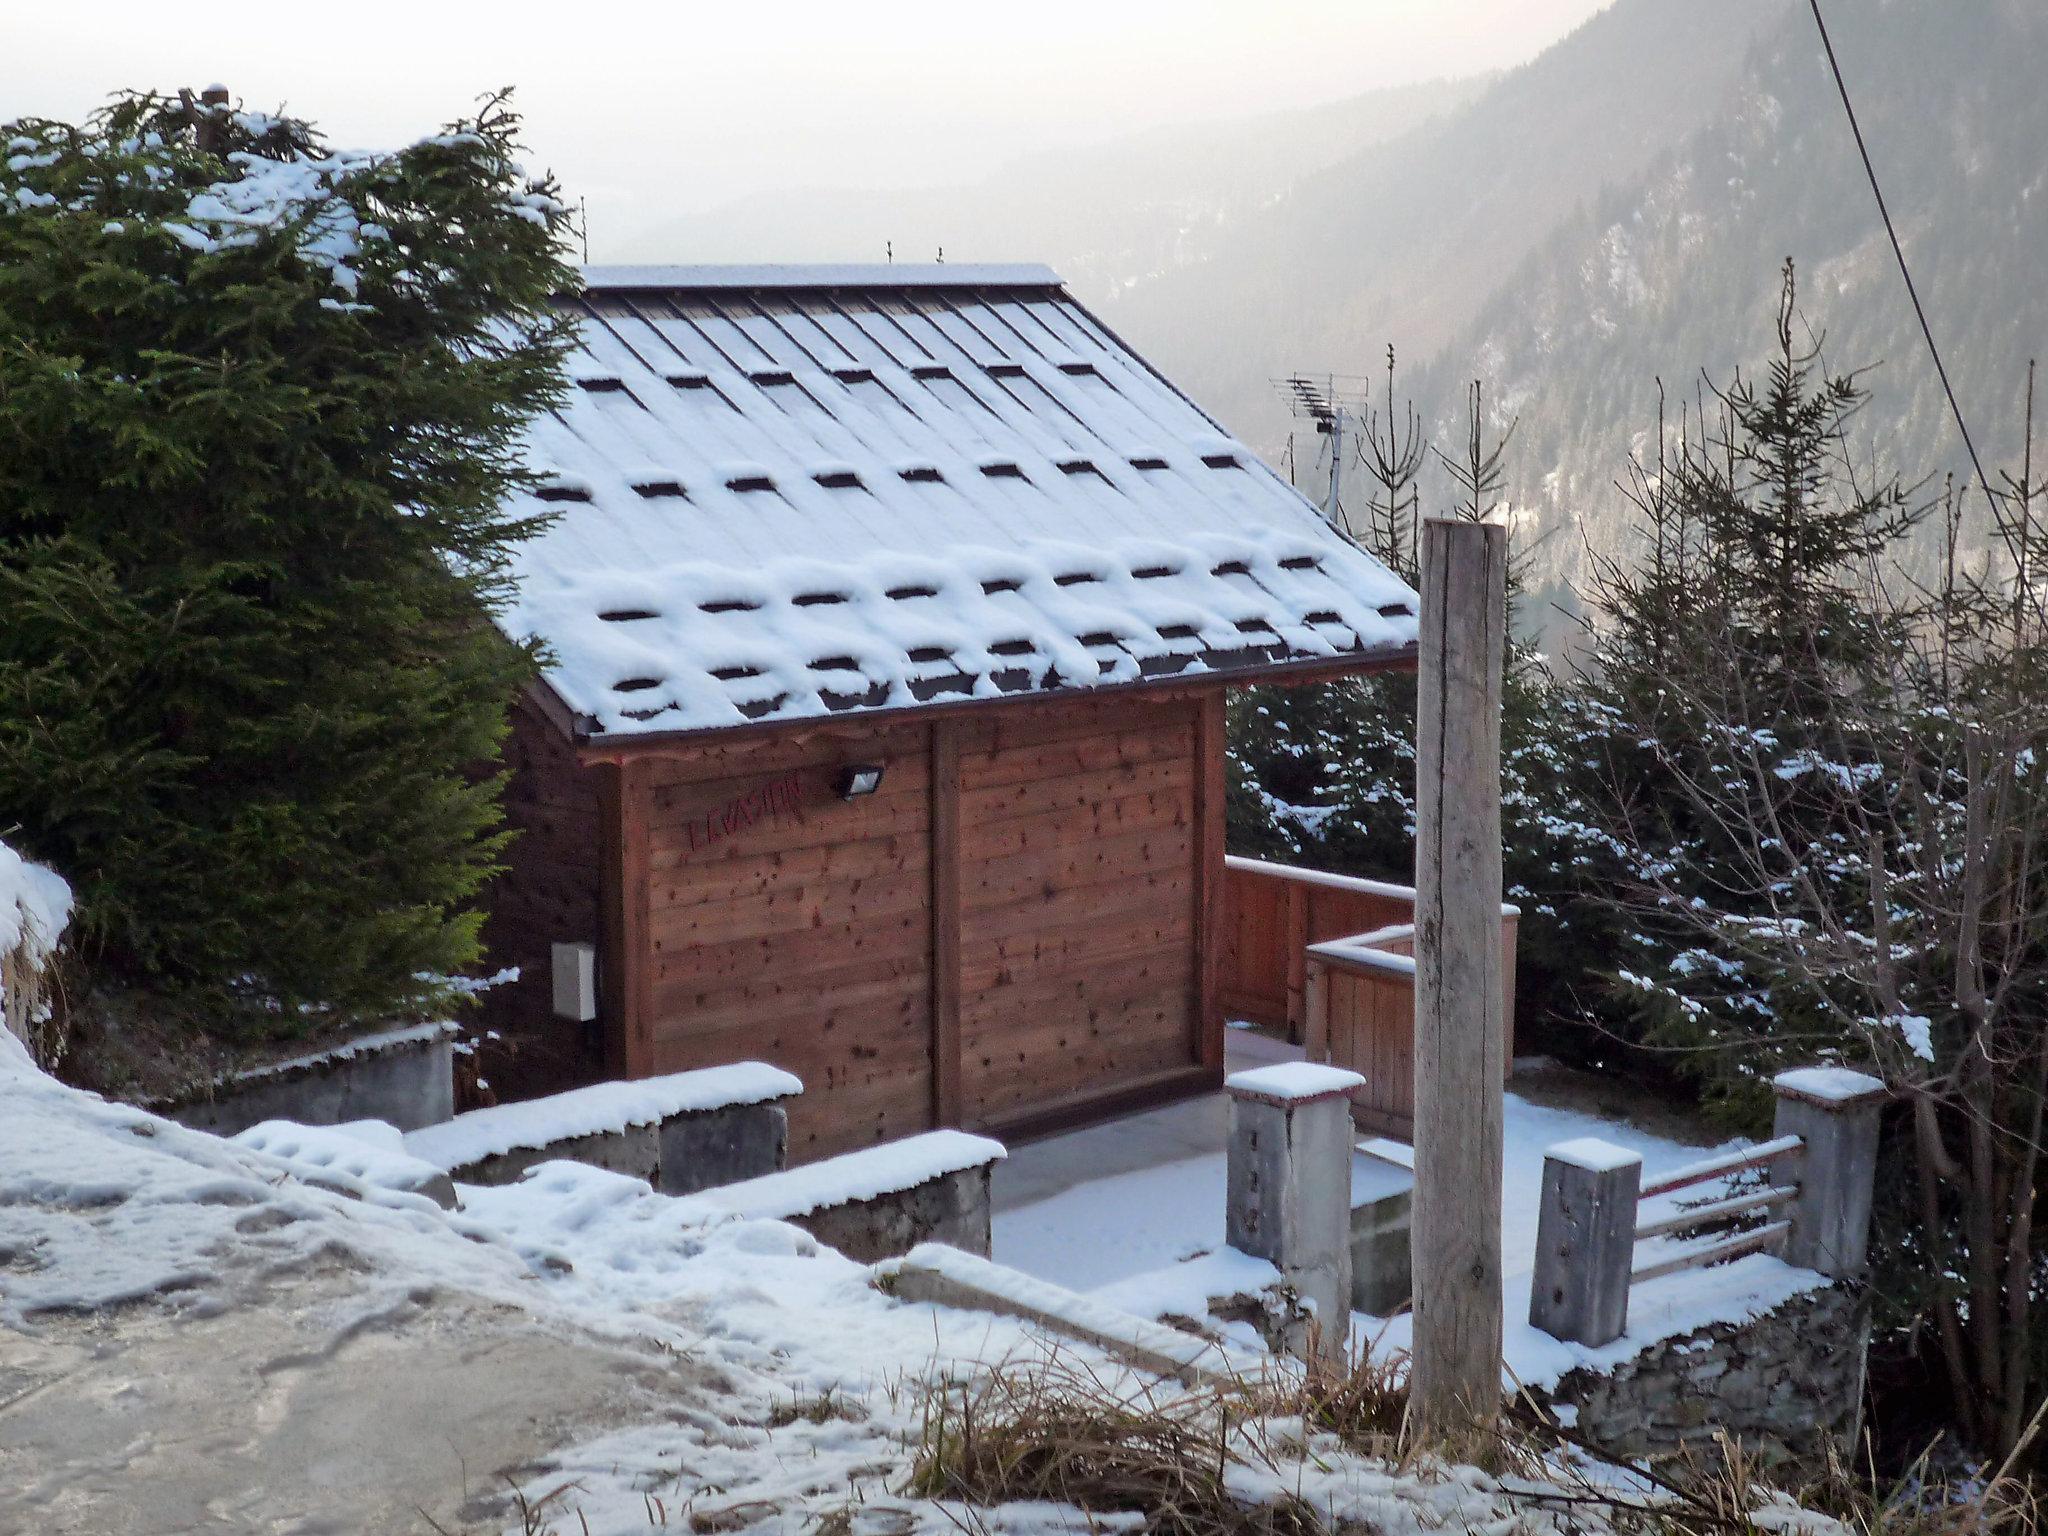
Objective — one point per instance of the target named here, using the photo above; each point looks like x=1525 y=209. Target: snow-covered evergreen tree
x=260 y=404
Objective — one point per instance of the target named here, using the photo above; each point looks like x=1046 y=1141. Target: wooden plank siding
x=1269 y=918
x=1013 y=930
x=792 y=926
x=1080 y=971
x=548 y=893
x=1341 y=1008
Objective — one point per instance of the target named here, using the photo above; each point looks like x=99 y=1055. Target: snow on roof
x=852 y=274
x=791 y=491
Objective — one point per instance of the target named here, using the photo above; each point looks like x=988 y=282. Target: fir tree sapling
x=1828 y=777
x=260 y=408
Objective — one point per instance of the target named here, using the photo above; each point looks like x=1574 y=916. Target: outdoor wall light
x=859 y=779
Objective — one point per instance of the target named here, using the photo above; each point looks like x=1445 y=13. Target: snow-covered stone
x=600 y=1109
x=886 y=1169
x=1828 y=1085
x=1294 y=1081
x=1593 y=1154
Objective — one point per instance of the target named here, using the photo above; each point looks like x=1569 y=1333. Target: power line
x=1905 y=272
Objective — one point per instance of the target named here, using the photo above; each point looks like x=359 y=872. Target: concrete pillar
x=1835 y=1112
x=1290 y=1185
x=1585 y=1241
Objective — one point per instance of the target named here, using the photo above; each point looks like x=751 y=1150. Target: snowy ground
x=199 y=1335
x=1117 y=1210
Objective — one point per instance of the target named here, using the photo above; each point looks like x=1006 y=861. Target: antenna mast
x=1318 y=401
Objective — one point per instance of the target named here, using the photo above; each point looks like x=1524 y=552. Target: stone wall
x=405 y=1077
x=1784 y=1385
x=952 y=1209
x=680 y=1154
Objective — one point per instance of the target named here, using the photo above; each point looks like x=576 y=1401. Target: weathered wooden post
x=1455 y=1381
x=1835 y=1112
x=1585 y=1241
x=1289 y=1186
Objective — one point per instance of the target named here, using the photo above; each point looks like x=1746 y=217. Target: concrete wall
x=705 y=1148
x=687 y=1152
x=634 y=1150
x=951 y=1209
x=1784 y=1385
x=407 y=1081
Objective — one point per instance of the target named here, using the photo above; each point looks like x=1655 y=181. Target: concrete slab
x=1197 y=1127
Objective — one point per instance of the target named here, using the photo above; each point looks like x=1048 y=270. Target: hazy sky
x=673 y=107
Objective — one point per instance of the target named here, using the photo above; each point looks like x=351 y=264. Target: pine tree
x=1741 y=633
x=260 y=406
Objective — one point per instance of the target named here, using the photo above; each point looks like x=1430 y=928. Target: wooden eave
x=598 y=748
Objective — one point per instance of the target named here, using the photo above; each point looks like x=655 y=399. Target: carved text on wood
x=782 y=797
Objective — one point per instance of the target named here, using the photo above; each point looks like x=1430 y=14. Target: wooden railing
x=1779 y=1157
x=1590 y=1223
x=1329 y=959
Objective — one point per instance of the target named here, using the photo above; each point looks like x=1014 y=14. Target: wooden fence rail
x=1820 y=1166
x=1329 y=959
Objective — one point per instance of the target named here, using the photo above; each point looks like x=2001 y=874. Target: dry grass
x=1727 y=1489
x=1055 y=1430
x=1730 y=1481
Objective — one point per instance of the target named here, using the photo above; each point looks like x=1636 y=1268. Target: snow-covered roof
x=793 y=491
x=850 y=274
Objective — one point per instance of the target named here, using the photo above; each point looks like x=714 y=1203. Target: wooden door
x=1078 y=846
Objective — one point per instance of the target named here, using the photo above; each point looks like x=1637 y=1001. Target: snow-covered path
x=199 y=1335
x=1116 y=1209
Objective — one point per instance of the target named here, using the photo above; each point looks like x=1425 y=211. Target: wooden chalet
x=890 y=612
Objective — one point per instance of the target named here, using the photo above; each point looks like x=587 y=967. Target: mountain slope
x=1678 y=270
x=1105 y=218
x=1403 y=242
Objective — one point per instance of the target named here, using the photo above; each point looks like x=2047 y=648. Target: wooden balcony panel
x=1329 y=960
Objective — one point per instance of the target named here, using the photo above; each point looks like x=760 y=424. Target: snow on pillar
x=1835 y=1112
x=1290 y=1185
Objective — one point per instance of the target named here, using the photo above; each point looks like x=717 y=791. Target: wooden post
x=1585 y=1241
x=1455 y=1378
x=625 y=965
x=1315 y=1009
x=1294 y=925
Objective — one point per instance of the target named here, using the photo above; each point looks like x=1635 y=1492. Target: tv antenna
x=1335 y=415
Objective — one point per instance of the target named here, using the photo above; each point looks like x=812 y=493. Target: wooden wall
x=1078 y=906
x=1010 y=930
x=548 y=894
x=788 y=925
x=1270 y=915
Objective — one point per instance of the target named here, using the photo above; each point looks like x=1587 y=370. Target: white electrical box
x=575 y=968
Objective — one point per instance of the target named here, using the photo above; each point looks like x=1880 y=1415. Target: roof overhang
x=598 y=748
